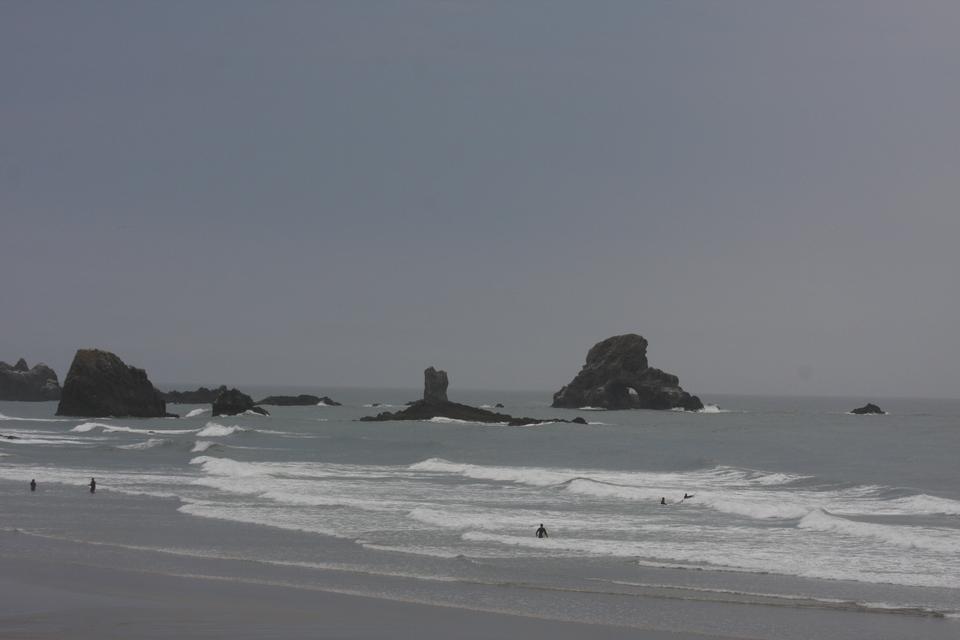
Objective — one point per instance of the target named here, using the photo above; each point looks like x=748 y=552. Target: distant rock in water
x=499 y=405
x=616 y=376
x=99 y=385
x=303 y=400
x=436 y=405
x=200 y=396
x=22 y=383
x=868 y=408
x=233 y=401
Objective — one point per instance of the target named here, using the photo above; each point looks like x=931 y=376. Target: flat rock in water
x=867 y=409
x=436 y=405
x=302 y=400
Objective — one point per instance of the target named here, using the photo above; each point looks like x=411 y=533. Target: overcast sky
x=342 y=193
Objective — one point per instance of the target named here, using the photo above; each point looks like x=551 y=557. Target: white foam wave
x=216 y=430
x=111 y=428
x=193 y=413
x=444 y=420
x=712 y=408
x=589 y=408
x=4 y=417
x=202 y=445
x=524 y=475
x=941 y=540
x=148 y=444
x=228 y=467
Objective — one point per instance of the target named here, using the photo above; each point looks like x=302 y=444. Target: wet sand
x=45 y=599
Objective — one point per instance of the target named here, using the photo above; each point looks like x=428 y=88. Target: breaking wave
x=111 y=428
x=216 y=430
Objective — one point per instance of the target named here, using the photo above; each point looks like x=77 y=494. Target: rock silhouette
x=617 y=376
x=233 y=401
x=868 y=408
x=435 y=405
x=26 y=384
x=302 y=400
x=202 y=395
x=99 y=384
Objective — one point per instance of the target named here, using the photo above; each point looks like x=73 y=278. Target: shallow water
x=796 y=503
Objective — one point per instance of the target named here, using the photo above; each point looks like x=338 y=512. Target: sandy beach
x=53 y=599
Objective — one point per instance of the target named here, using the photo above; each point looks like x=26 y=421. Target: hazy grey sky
x=342 y=193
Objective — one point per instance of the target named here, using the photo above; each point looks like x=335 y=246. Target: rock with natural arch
x=617 y=376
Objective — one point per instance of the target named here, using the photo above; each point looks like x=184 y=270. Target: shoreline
x=48 y=599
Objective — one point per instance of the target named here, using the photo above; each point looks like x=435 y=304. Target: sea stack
x=99 y=385
x=23 y=383
x=617 y=376
x=436 y=405
x=233 y=401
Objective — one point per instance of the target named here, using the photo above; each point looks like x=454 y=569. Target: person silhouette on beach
x=542 y=532
x=93 y=485
x=33 y=485
x=663 y=500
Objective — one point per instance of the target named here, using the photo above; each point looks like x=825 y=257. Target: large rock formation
x=200 y=396
x=20 y=382
x=302 y=400
x=99 y=384
x=436 y=405
x=868 y=408
x=234 y=401
x=617 y=376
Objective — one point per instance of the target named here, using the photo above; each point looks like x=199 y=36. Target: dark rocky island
x=233 y=401
x=200 y=396
x=867 y=409
x=99 y=384
x=436 y=405
x=302 y=400
x=617 y=376
x=26 y=384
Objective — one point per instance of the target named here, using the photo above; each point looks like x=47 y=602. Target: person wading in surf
x=542 y=532
x=93 y=485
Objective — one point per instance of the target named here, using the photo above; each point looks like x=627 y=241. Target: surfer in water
x=542 y=532
x=33 y=485
x=93 y=485
x=687 y=496
x=663 y=500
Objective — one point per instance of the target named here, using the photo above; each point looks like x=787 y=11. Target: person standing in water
x=93 y=485
x=542 y=532
x=33 y=485
x=663 y=500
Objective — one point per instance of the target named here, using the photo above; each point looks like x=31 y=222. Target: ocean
x=796 y=505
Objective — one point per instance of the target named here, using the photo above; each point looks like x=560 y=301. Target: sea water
x=795 y=501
